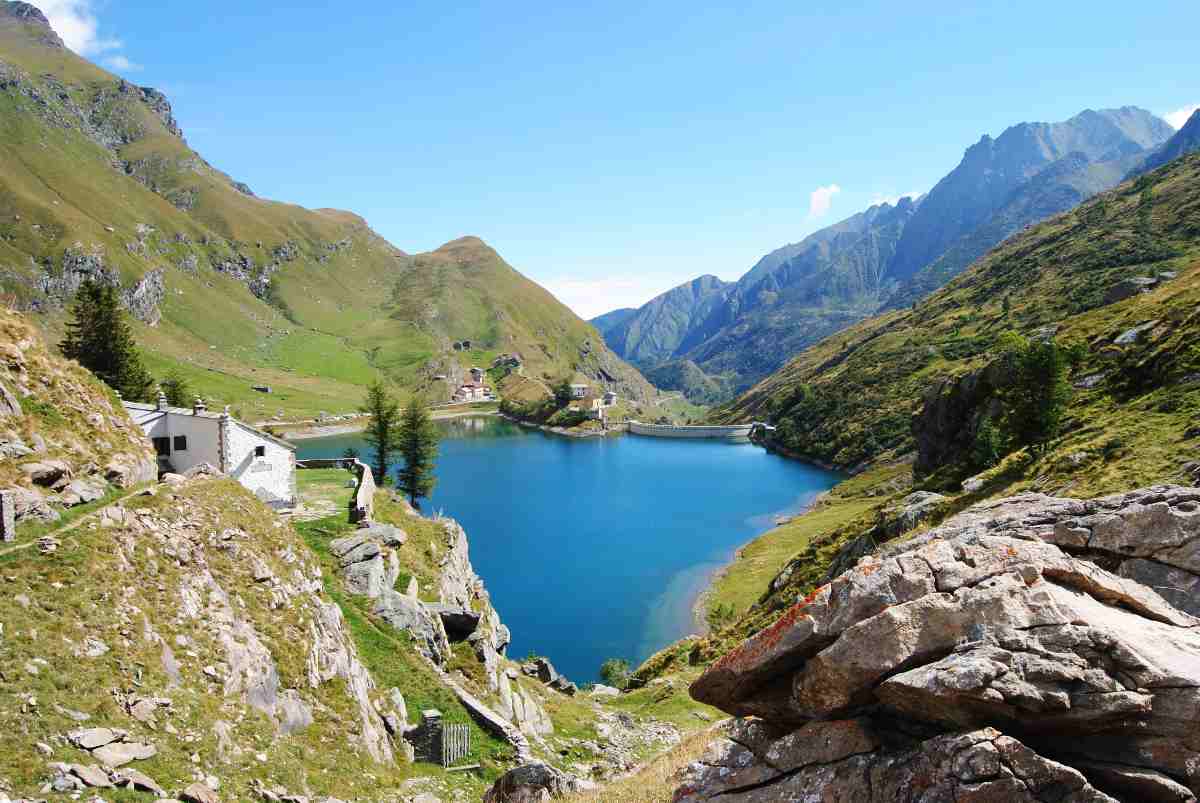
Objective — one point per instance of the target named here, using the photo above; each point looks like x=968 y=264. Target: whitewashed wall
x=200 y=431
x=271 y=477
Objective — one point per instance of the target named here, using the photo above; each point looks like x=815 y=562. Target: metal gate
x=456 y=743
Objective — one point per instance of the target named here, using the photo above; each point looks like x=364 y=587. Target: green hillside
x=96 y=180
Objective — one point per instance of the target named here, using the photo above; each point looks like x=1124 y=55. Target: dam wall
x=738 y=432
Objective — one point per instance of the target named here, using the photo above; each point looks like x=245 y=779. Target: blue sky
x=613 y=150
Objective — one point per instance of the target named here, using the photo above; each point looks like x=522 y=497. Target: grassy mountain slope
x=851 y=399
x=610 y=320
x=97 y=180
x=224 y=639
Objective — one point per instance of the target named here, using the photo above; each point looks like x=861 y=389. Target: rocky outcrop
x=992 y=654
x=143 y=298
x=850 y=760
x=532 y=783
x=63 y=436
x=946 y=425
x=25 y=13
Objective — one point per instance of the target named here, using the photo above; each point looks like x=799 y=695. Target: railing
x=456 y=743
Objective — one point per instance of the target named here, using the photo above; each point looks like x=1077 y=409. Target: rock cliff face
x=1024 y=650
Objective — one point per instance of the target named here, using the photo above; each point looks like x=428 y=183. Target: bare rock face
x=844 y=760
x=983 y=630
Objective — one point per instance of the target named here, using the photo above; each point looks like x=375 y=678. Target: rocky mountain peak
x=31 y=15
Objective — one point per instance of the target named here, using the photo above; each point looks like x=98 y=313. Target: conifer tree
x=418 y=445
x=175 y=388
x=383 y=428
x=100 y=339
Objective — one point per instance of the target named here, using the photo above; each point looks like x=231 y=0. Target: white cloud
x=821 y=199
x=588 y=298
x=880 y=198
x=119 y=63
x=75 y=21
x=1180 y=116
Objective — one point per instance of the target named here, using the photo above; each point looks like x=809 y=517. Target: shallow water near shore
x=597 y=548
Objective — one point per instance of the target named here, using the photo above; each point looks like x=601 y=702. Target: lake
x=596 y=548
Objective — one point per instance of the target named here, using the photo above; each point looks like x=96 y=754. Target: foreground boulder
x=981 y=630
x=532 y=783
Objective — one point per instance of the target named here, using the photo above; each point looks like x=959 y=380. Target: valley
x=958 y=559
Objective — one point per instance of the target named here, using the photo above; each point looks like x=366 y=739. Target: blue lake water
x=596 y=548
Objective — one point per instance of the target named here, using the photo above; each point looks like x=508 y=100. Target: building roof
x=153 y=408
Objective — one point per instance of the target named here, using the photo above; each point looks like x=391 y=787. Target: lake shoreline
x=314 y=430
x=700 y=604
x=627 y=532
x=566 y=433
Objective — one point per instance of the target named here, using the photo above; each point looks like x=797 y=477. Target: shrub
x=615 y=672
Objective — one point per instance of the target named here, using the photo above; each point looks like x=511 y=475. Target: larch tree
x=383 y=428
x=418 y=446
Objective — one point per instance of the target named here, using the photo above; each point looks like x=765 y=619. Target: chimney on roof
x=162 y=400
x=198 y=406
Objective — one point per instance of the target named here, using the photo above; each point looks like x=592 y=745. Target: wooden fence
x=456 y=743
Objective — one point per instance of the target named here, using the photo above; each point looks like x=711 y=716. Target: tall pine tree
x=418 y=445
x=100 y=338
x=383 y=428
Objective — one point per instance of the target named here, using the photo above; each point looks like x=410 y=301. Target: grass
x=654 y=782
x=850 y=399
x=325 y=485
x=389 y=654
x=134 y=620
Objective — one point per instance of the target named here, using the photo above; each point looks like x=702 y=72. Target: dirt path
x=68 y=527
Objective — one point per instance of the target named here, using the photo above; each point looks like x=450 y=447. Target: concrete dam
x=736 y=432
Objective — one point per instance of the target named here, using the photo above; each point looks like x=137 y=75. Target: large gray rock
x=413 y=617
x=982 y=622
x=531 y=783
x=845 y=760
x=1128 y=288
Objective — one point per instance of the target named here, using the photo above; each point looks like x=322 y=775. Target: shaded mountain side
x=1062 y=185
x=656 y=330
x=851 y=399
x=891 y=256
x=992 y=168
x=97 y=181
x=1186 y=140
x=611 y=320
x=686 y=376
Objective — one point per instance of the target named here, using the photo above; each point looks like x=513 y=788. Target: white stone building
x=184 y=439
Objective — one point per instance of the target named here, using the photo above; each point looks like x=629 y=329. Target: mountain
x=236 y=291
x=1117 y=279
x=993 y=168
x=658 y=328
x=889 y=256
x=611 y=320
x=1186 y=140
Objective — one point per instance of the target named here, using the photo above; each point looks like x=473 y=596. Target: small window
x=181 y=443
x=260 y=451
x=162 y=446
